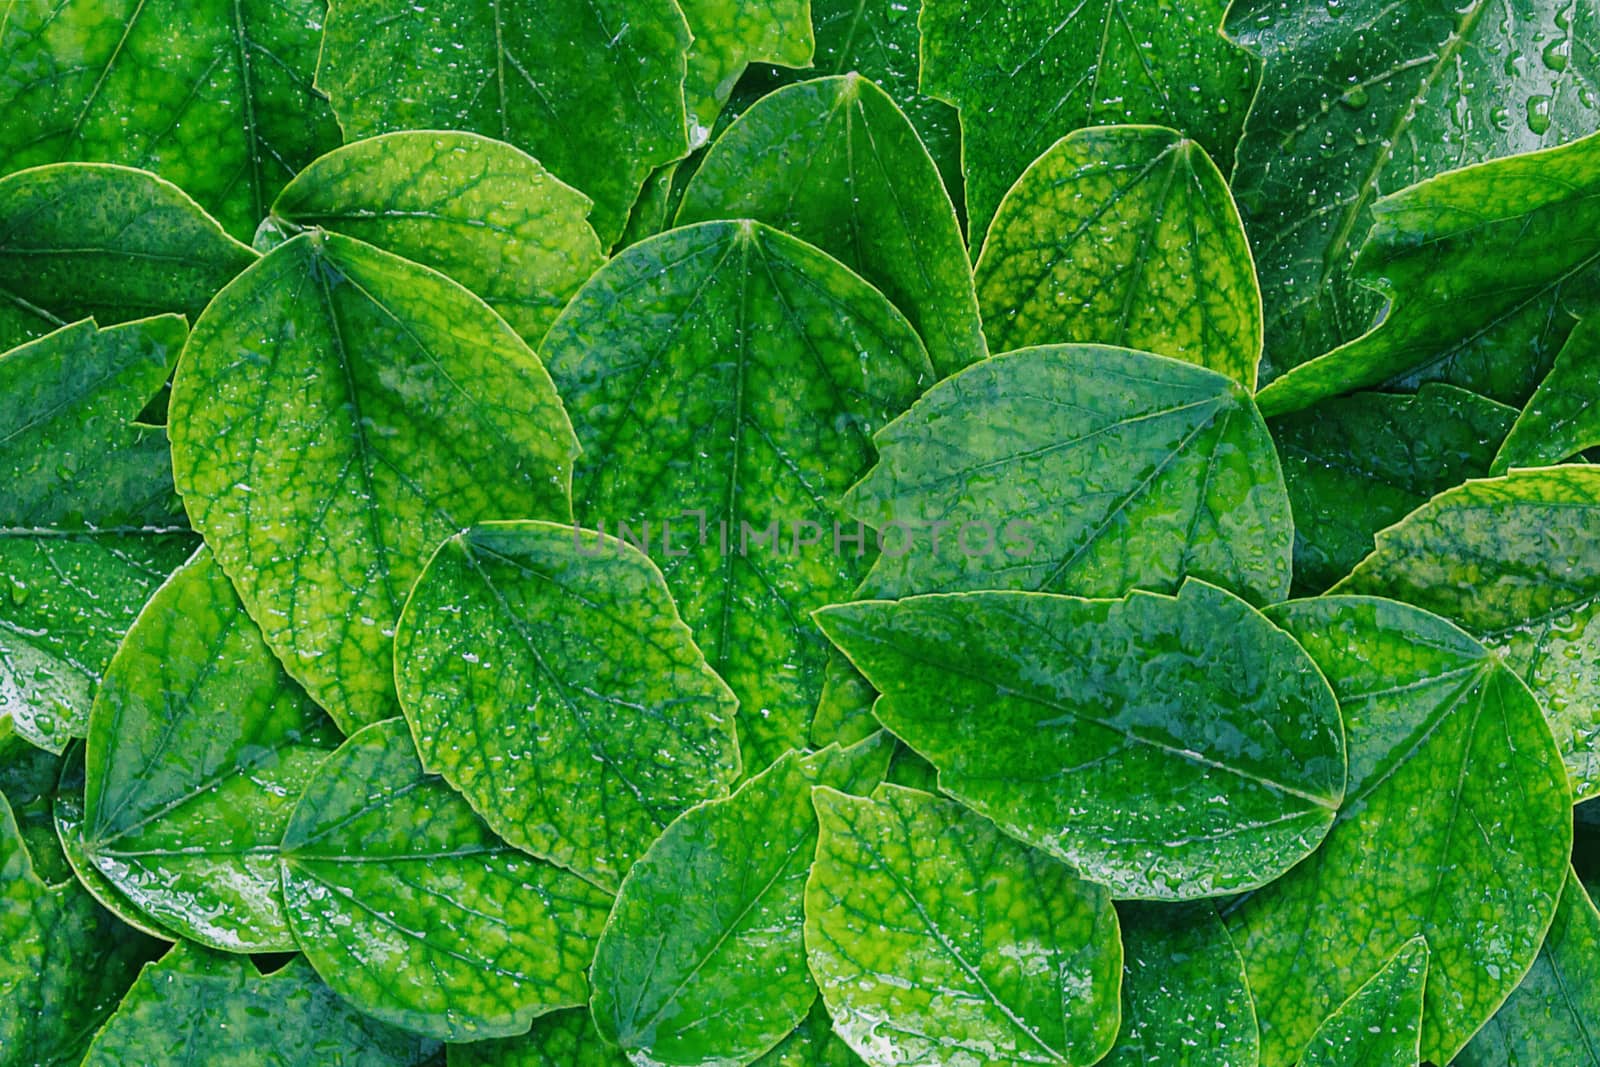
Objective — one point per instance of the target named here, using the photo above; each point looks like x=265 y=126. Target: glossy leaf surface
x=728 y=36
x=1381 y=1024
x=1562 y=418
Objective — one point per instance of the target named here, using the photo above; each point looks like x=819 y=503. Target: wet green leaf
x=1553 y=1015
x=724 y=380
x=1361 y=98
x=483 y=212
x=1023 y=75
x=1185 y=1001
x=1563 y=417
x=199 y=745
x=559 y=1039
x=338 y=412
x=1456 y=827
x=546 y=674
x=87 y=515
x=864 y=190
x=703 y=960
x=28 y=777
x=728 y=36
x=213 y=95
x=1381 y=1024
x=594 y=90
x=1209 y=764
x=812 y=1044
x=1480 y=266
x=1078 y=469
x=64 y=962
x=412 y=910
x=1357 y=464
x=88 y=239
x=1124 y=235
x=220 y=1011
x=1014 y=960
x=1512 y=561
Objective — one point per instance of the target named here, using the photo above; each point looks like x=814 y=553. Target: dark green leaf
x=559 y=1039
x=1456 y=826
x=1124 y=235
x=812 y=1044
x=338 y=413
x=213 y=95
x=836 y=163
x=412 y=910
x=1209 y=765
x=724 y=380
x=1381 y=1024
x=28 y=777
x=728 y=36
x=548 y=677
x=1563 y=417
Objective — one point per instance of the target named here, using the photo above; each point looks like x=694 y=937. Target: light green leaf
x=1513 y=562
x=412 y=910
x=1078 y=469
x=64 y=962
x=1554 y=1015
x=936 y=939
x=90 y=239
x=1563 y=417
x=1381 y=1024
x=703 y=960
x=485 y=213
x=88 y=523
x=198 y=747
x=594 y=89
x=724 y=380
x=1185 y=1001
x=338 y=412
x=1357 y=464
x=1124 y=235
x=1481 y=267
x=220 y=1011
x=213 y=95
x=546 y=674
x=1456 y=827
x=864 y=190
x=559 y=1039
x=1208 y=768
x=1366 y=97
x=728 y=36
x=844 y=710
x=1024 y=75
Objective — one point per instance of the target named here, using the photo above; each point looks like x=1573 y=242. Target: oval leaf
x=412 y=910
x=338 y=413
x=1166 y=747
x=547 y=676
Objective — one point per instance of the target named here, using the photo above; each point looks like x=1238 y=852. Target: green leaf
x=559 y=1039
x=213 y=95
x=724 y=380
x=1367 y=97
x=1185 y=1001
x=198 y=747
x=1554 y=1014
x=87 y=523
x=485 y=213
x=1356 y=464
x=937 y=939
x=89 y=239
x=28 y=777
x=812 y=1044
x=844 y=710
x=546 y=674
x=412 y=910
x=64 y=962
x=1563 y=417
x=1078 y=469
x=865 y=191
x=1456 y=827
x=1208 y=768
x=1124 y=235
x=1480 y=266
x=1381 y=1024
x=703 y=960
x=338 y=412
x=221 y=1011
x=1512 y=561
x=1025 y=75
x=728 y=36
x=593 y=90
